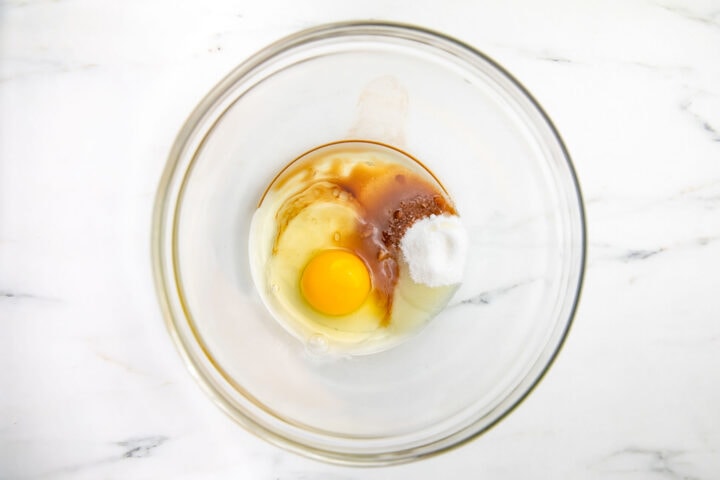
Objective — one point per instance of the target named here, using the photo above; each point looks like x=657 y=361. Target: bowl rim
x=163 y=203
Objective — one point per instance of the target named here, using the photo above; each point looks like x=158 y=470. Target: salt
x=435 y=249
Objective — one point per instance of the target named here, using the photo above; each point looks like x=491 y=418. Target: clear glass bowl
x=493 y=148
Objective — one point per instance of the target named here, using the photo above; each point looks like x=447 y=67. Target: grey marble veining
x=651 y=462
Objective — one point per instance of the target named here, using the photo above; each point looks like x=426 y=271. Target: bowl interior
x=497 y=155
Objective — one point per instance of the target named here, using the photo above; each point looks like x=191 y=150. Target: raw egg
x=324 y=246
x=335 y=282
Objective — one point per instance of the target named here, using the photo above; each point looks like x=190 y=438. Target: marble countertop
x=92 y=94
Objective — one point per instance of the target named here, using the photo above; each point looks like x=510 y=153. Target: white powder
x=435 y=249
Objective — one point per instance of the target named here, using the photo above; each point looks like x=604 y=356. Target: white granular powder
x=435 y=249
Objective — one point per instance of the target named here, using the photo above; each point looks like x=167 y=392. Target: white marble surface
x=91 y=96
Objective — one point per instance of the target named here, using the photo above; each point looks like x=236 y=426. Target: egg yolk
x=335 y=282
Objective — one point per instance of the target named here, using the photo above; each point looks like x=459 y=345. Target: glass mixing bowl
x=494 y=150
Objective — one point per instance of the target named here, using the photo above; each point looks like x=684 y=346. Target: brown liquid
x=389 y=198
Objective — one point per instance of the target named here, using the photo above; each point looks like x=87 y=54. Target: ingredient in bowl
x=435 y=248
x=325 y=246
x=335 y=282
